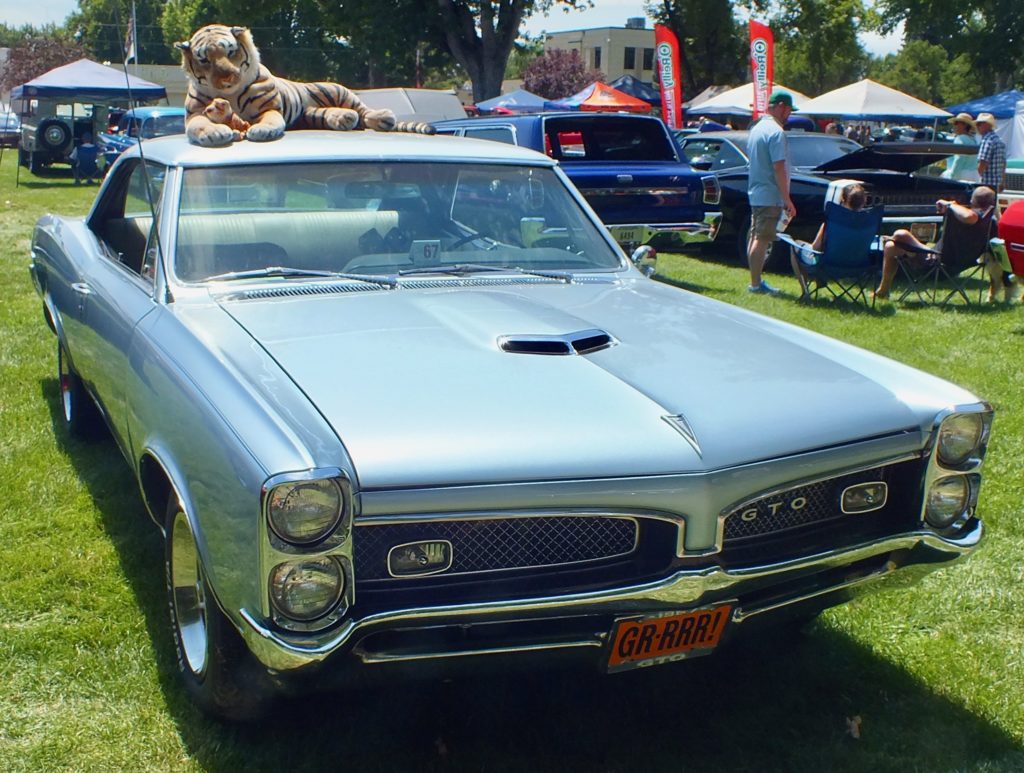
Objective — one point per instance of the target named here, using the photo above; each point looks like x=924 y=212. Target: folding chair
x=957 y=258
x=848 y=265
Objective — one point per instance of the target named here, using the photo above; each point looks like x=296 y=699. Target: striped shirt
x=993 y=150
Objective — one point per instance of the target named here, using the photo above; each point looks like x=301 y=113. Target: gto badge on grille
x=418 y=559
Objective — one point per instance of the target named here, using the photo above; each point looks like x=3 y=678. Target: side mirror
x=645 y=258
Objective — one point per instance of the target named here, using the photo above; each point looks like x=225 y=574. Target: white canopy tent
x=739 y=101
x=870 y=101
x=1012 y=131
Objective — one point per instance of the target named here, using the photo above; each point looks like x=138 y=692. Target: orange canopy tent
x=601 y=97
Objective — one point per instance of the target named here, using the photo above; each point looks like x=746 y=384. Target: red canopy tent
x=602 y=97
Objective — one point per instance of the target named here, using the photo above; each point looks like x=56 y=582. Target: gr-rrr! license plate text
x=661 y=639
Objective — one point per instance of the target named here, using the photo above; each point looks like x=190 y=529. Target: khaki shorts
x=764 y=222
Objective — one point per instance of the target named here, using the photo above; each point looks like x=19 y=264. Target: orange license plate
x=649 y=641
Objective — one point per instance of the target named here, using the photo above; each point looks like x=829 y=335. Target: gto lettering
x=751 y=514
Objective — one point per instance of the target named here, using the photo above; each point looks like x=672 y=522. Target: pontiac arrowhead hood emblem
x=682 y=426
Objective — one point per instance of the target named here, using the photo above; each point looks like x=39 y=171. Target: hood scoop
x=580 y=342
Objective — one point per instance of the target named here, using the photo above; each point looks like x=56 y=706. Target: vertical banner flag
x=667 y=49
x=762 y=65
x=131 y=53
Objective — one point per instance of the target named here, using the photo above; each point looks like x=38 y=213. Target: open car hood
x=904 y=157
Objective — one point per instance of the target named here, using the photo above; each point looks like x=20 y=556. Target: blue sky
x=605 y=13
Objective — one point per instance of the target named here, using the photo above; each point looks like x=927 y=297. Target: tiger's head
x=219 y=58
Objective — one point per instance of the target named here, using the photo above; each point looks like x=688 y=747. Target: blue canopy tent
x=1000 y=105
x=88 y=81
x=518 y=101
x=637 y=88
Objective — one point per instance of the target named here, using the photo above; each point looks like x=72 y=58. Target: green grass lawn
x=935 y=672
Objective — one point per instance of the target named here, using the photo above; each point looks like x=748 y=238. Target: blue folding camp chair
x=849 y=263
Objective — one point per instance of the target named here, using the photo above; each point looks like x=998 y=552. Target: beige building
x=615 y=51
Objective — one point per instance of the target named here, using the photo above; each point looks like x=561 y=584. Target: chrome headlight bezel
x=970 y=431
x=963 y=509
x=287 y=571
x=336 y=527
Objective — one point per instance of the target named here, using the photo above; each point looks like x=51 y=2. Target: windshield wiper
x=465 y=269
x=255 y=273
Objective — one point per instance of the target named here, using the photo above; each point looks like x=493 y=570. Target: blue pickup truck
x=626 y=166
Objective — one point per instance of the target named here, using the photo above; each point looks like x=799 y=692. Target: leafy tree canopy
x=557 y=74
x=34 y=52
x=712 y=39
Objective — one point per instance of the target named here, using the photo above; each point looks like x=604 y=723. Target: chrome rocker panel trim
x=685 y=589
x=688 y=233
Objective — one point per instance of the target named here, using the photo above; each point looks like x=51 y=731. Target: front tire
x=219 y=673
x=81 y=416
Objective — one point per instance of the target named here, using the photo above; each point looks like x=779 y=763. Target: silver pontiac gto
x=399 y=403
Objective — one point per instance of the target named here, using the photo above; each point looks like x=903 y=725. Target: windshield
x=381 y=219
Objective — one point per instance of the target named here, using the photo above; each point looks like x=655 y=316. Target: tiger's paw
x=263 y=133
x=340 y=119
x=214 y=136
x=379 y=120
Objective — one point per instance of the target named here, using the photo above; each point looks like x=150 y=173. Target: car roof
x=153 y=110
x=485 y=120
x=312 y=146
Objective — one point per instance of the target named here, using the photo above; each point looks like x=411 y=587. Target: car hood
x=416 y=386
x=897 y=156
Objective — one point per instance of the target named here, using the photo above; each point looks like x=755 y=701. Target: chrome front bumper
x=754 y=591
x=633 y=234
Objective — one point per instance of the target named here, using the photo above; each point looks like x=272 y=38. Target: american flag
x=131 y=53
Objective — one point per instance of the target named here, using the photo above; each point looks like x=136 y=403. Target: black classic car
x=894 y=174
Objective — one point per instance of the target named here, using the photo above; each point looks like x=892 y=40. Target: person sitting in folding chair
x=83 y=160
x=842 y=259
x=803 y=256
x=921 y=262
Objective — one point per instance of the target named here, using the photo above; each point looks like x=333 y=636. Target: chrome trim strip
x=682 y=590
x=740 y=613
x=367 y=658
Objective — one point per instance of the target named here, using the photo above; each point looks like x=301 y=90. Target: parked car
x=820 y=163
x=10 y=129
x=1013 y=184
x=401 y=402
x=627 y=166
x=146 y=122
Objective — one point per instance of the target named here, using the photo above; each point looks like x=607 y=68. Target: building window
x=648 y=58
x=629 y=60
x=597 y=57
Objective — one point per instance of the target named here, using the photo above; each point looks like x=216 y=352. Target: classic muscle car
x=400 y=402
x=820 y=162
x=627 y=166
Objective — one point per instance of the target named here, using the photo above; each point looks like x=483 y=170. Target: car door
x=119 y=291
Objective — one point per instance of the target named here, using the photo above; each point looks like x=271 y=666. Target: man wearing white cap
x=991 y=152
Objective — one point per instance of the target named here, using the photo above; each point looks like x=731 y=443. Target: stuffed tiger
x=224 y=62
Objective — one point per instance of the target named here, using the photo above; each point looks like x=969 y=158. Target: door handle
x=81 y=288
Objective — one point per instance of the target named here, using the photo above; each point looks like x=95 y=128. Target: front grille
x=499 y=544
x=1014 y=181
x=808 y=518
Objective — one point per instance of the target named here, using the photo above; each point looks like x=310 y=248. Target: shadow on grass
x=780 y=701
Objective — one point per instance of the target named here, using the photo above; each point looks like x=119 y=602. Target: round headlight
x=305 y=511
x=959 y=437
x=947 y=500
x=307 y=589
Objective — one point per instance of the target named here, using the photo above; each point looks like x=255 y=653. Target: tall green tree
x=916 y=69
x=990 y=32
x=816 y=44
x=712 y=41
x=101 y=26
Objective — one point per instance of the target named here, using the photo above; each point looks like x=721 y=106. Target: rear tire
x=81 y=416
x=219 y=673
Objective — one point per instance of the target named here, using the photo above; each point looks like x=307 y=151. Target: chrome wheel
x=188 y=594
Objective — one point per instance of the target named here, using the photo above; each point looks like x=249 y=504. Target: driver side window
x=129 y=227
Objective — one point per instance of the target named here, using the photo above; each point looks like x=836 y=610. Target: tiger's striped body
x=223 y=62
